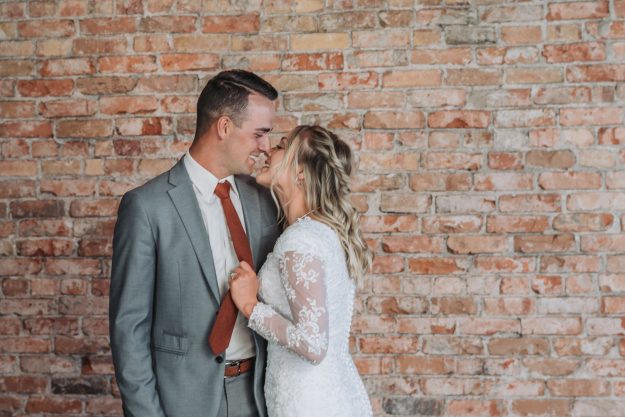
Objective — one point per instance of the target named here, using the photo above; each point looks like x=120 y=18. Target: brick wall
x=491 y=178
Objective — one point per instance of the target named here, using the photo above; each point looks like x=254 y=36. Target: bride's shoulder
x=306 y=235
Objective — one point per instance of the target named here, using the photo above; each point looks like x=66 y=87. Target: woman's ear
x=224 y=127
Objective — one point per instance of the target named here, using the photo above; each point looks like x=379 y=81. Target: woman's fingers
x=246 y=266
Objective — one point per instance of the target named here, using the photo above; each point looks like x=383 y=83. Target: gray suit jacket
x=164 y=297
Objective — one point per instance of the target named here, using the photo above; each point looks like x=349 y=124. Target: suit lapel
x=185 y=201
x=250 y=203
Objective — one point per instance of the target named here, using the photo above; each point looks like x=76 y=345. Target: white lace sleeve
x=303 y=278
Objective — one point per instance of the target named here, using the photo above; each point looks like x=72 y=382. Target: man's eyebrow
x=264 y=129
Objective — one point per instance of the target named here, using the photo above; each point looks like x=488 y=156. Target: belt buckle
x=236 y=363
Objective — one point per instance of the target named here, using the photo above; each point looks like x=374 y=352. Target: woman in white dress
x=307 y=285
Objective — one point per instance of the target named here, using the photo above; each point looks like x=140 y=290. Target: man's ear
x=224 y=127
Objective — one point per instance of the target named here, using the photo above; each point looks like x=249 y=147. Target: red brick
x=18 y=168
x=95 y=248
x=104 y=405
x=477 y=244
x=569 y=180
x=17 y=109
x=37 y=208
x=595 y=73
x=544 y=243
x=108 y=26
x=603 y=243
x=46 y=28
x=95 y=208
x=53 y=404
x=48 y=364
x=396 y=344
x=168 y=24
x=518 y=35
x=69 y=66
x=530 y=202
x=23 y=384
x=464 y=204
x=583 y=222
x=545 y=75
x=551 y=326
x=503 y=181
x=475 y=408
x=578 y=10
x=453 y=160
x=585 y=117
x=70 y=107
x=89 y=46
x=473 y=77
x=541 y=407
x=505 y=160
x=26 y=129
x=45 y=247
x=313 y=62
x=231 y=24
x=105 y=85
x=404 y=203
x=398 y=79
x=613 y=305
x=592 y=51
x=422 y=365
x=201 y=43
x=412 y=244
x=347 y=80
x=451 y=224
x=434 y=266
x=596 y=201
x=127 y=64
x=73 y=266
x=24 y=345
x=569 y=263
x=189 y=62
x=132 y=105
x=579 y=387
x=440 y=182
x=84 y=128
x=388 y=223
x=525 y=118
x=457 y=56
x=504 y=264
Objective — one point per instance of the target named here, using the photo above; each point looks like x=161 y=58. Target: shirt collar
x=203 y=179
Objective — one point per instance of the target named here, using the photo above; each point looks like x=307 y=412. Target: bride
x=306 y=287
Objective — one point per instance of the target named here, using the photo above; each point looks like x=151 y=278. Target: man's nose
x=263 y=143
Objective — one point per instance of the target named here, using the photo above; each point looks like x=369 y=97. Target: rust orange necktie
x=220 y=334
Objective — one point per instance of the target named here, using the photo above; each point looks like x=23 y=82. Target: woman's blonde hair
x=326 y=163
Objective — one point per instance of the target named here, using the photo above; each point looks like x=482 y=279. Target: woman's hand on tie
x=244 y=288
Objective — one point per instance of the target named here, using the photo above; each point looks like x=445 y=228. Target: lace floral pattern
x=305 y=314
x=306 y=334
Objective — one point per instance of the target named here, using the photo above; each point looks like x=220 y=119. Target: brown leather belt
x=236 y=368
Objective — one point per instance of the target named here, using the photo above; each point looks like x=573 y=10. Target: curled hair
x=226 y=94
x=326 y=162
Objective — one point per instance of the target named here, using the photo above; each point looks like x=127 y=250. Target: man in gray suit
x=172 y=255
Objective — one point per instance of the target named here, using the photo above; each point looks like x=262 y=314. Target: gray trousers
x=238 y=397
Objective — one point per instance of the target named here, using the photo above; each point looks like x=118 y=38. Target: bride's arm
x=303 y=279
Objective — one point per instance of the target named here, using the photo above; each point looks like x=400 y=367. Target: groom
x=177 y=239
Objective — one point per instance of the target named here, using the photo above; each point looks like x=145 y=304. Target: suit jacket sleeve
x=130 y=310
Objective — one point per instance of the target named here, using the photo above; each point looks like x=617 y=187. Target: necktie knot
x=223 y=190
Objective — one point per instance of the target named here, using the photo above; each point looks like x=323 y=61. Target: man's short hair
x=226 y=94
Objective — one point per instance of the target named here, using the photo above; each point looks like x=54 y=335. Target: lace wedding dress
x=305 y=314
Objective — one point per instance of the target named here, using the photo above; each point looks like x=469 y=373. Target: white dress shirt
x=224 y=257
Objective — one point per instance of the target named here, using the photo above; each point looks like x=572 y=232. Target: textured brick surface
x=491 y=178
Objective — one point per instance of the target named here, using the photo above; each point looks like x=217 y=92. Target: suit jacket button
x=219 y=359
